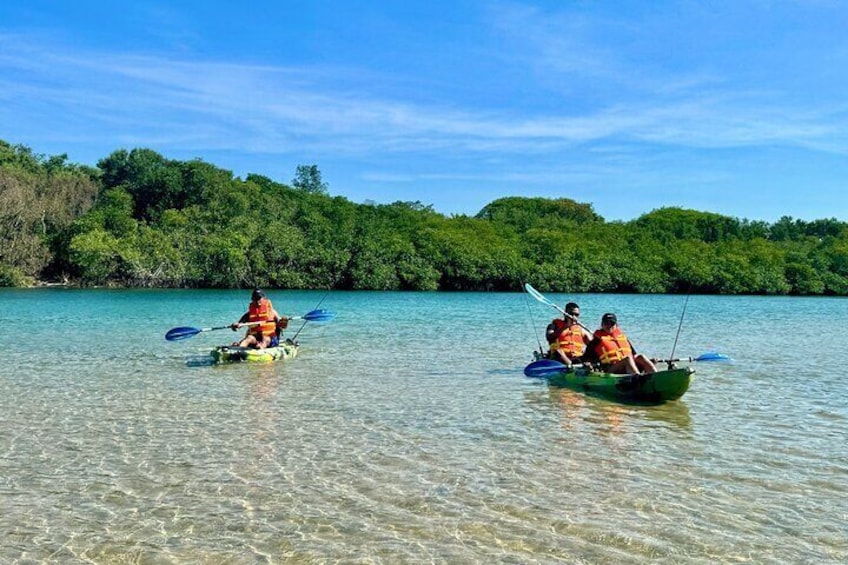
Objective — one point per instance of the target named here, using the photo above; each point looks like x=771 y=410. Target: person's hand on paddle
x=282 y=323
x=235 y=326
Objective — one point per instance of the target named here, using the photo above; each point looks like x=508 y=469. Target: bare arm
x=241 y=320
x=550 y=332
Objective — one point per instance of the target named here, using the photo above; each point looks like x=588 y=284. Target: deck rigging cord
x=680 y=325
x=314 y=309
x=535 y=330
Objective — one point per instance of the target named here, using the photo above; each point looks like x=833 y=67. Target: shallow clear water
x=405 y=432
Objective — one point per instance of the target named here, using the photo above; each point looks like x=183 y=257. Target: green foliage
x=669 y=224
x=157 y=184
x=523 y=213
x=802 y=273
x=308 y=179
x=224 y=260
x=140 y=219
x=20 y=157
x=786 y=229
x=95 y=256
x=39 y=199
x=149 y=259
x=12 y=276
x=472 y=254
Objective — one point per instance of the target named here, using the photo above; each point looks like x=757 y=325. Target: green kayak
x=654 y=388
x=234 y=354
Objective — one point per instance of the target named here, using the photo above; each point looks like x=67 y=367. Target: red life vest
x=263 y=312
x=613 y=346
x=568 y=339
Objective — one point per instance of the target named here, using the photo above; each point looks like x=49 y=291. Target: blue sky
x=737 y=107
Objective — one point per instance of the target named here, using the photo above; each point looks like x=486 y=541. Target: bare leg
x=645 y=364
x=626 y=366
x=248 y=341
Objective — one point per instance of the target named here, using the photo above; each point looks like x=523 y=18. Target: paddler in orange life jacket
x=613 y=350
x=262 y=323
x=566 y=337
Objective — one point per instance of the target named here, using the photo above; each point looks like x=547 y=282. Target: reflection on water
x=674 y=413
x=609 y=416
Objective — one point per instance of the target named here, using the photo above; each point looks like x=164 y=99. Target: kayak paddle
x=316 y=316
x=712 y=356
x=544 y=368
x=538 y=296
x=185 y=332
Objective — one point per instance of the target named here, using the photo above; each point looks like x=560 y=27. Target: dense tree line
x=140 y=219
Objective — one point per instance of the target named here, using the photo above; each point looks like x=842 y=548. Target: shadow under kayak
x=234 y=354
x=653 y=388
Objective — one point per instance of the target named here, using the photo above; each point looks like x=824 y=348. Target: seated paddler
x=567 y=339
x=612 y=349
x=262 y=321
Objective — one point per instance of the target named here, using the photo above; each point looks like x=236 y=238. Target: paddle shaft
x=289 y=318
x=230 y=326
x=185 y=332
x=675 y=360
x=704 y=357
x=538 y=296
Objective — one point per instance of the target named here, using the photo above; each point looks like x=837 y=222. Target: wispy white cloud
x=553 y=42
x=219 y=105
x=635 y=95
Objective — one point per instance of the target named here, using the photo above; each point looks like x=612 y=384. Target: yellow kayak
x=234 y=354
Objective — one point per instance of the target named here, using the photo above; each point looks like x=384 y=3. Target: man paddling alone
x=614 y=351
x=262 y=322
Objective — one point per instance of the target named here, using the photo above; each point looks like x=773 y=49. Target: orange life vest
x=612 y=346
x=261 y=313
x=568 y=339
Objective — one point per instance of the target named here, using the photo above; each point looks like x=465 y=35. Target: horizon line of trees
x=138 y=219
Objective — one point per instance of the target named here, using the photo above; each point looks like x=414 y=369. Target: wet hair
x=570 y=307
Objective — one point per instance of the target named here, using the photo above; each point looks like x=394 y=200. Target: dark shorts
x=275 y=341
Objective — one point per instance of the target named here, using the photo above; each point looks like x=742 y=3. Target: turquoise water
x=405 y=432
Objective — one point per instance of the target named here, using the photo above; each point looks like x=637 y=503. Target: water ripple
x=428 y=453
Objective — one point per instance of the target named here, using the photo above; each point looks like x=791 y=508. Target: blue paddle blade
x=713 y=356
x=182 y=332
x=319 y=316
x=544 y=368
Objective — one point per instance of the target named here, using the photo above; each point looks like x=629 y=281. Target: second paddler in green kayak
x=612 y=349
